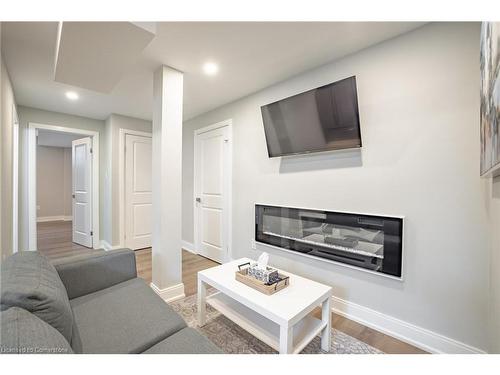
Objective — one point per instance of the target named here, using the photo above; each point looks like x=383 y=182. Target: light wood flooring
x=191 y=264
x=54 y=241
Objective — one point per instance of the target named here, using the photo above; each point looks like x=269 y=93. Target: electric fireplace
x=368 y=242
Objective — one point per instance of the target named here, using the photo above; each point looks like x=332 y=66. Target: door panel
x=212 y=226
x=138 y=196
x=82 y=193
x=211 y=181
x=142 y=161
x=211 y=170
x=142 y=227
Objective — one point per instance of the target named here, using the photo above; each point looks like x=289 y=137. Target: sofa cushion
x=186 y=341
x=125 y=318
x=24 y=333
x=30 y=281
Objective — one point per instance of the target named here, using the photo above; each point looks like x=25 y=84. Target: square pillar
x=167 y=183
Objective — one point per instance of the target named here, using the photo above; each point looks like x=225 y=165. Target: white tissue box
x=269 y=275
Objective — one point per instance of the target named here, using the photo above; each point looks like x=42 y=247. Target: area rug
x=232 y=339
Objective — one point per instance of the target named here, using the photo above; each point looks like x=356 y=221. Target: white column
x=167 y=183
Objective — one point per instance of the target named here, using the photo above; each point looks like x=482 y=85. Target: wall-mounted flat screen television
x=322 y=119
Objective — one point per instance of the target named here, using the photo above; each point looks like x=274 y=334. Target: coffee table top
x=285 y=306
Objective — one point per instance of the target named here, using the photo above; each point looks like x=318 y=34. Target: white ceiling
x=84 y=58
x=55 y=139
x=251 y=56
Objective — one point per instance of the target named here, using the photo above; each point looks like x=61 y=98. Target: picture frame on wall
x=490 y=98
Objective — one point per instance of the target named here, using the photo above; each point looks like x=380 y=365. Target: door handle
x=198 y=200
x=73 y=195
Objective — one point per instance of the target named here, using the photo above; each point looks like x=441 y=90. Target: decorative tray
x=267 y=288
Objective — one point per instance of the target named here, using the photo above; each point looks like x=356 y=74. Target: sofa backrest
x=29 y=281
x=88 y=273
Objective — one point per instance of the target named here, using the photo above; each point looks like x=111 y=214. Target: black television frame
x=322 y=149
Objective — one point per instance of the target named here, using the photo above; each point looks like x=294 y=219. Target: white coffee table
x=283 y=320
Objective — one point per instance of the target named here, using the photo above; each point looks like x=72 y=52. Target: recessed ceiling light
x=71 y=95
x=210 y=68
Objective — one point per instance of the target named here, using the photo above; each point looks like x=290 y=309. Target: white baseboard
x=43 y=219
x=106 y=246
x=417 y=336
x=171 y=293
x=188 y=246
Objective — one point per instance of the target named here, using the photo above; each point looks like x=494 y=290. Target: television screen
x=322 y=119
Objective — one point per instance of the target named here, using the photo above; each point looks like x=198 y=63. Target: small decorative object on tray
x=267 y=275
x=268 y=280
x=261 y=271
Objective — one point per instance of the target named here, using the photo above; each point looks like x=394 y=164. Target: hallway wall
x=35 y=115
x=7 y=104
x=111 y=229
x=108 y=163
x=53 y=182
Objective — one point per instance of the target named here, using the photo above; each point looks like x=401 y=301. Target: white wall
x=53 y=182
x=419 y=110
x=1 y=149
x=27 y=115
x=7 y=101
x=493 y=204
x=113 y=125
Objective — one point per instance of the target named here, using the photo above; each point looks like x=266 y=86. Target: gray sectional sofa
x=88 y=304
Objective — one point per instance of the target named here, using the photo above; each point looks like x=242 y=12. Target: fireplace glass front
x=365 y=241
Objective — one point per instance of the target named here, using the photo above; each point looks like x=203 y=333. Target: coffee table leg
x=286 y=339
x=202 y=295
x=326 y=317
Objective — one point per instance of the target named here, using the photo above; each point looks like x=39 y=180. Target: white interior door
x=212 y=193
x=82 y=191
x=138 y=194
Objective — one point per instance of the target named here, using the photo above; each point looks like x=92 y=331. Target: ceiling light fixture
x=210 y=68
x=71 y=95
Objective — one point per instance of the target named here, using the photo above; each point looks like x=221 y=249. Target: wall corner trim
x=171 y=293
x=414 y=335
x=188 y=246
x=106 y=246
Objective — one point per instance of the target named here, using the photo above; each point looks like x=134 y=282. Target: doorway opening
x=63 y=190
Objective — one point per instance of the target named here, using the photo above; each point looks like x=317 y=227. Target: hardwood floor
x=54 y=241
x=191 y=264
x=383 y=342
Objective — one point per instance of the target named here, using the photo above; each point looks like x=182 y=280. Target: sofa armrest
x=89 y=273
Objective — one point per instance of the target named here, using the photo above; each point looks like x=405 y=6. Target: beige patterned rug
x=235 y=340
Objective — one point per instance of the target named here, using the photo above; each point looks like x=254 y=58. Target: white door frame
x=228 y=203
x=121 y=177
x=32 y=129
x=15 y=180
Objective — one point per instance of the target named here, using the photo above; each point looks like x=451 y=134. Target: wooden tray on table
x=269 y=289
